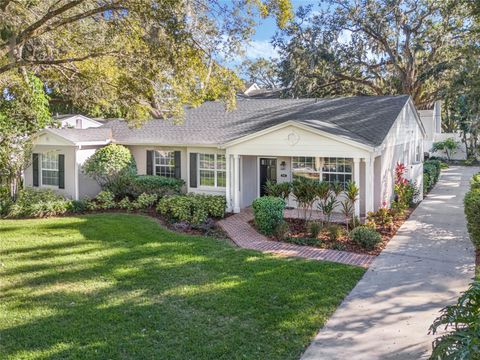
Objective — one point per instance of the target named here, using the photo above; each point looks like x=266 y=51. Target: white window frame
x=41 y=169
x=336 y=172
x=215 y=170
x=157 y=155
x=316 y=161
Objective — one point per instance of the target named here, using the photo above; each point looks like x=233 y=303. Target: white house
x=235 y=152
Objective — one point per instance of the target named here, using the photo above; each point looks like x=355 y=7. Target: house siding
x=399 y=146
x=69 y=152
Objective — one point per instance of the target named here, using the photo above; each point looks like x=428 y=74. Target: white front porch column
x=228 y=182
x=356 y=179
x=369 y=184
x=236 y=184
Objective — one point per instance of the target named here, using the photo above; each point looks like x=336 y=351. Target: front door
x=268 y=171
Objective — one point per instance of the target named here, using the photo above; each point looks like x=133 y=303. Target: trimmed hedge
x=431 y=173
x=192 y=208
x=472 y=210
x=268 y=213
x=151 y=184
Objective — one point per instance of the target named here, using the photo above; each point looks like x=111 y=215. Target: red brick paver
x=242 y=234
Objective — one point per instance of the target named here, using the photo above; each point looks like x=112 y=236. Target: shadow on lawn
x=119 y=286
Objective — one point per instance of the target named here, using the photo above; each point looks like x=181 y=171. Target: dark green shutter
x=149 y=162
x=193 y=170
x=35 y=160
x=61 y=171
x=178 y=164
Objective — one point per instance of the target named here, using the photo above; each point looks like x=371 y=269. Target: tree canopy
x=129 y=58
x=373 y=47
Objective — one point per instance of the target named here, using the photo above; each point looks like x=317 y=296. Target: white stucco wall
x=399 y=147
x=69 y=152
x=459 y=154
x=87 y=187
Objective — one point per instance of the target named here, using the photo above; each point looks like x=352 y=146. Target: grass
x=118 y=286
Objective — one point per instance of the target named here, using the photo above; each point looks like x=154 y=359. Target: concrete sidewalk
x=423 y=268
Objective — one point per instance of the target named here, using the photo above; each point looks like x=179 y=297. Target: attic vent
x=78 y=124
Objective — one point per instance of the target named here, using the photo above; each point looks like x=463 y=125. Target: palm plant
x=305 y=192
x=351 y=193
x=281 y=190
x=328 y=205
x=348 y=210
x=336 y=188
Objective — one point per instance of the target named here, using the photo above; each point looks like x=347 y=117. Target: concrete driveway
x=424 y=267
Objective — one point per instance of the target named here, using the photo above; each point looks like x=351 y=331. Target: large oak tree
x=378 y=47
x=130 y=58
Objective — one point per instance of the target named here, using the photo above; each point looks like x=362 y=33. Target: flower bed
x=298 y=233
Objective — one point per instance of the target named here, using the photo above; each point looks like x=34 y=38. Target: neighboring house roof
x=364 y=119
x=99 y=134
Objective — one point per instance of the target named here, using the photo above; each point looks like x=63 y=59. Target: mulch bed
x=299 y=229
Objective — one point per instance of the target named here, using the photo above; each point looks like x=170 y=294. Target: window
x=212 y=169
x=305 y=166
x=337 y=170
x=417 y=154
x=164 y=163
x=50 y=169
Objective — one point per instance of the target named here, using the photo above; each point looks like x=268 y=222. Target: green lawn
x=118 y=286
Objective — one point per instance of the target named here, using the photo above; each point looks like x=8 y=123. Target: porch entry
x=268 y=171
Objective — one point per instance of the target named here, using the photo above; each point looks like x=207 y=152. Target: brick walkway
x=242 y=234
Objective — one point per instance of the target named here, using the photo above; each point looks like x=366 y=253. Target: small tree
x=450 y=146
x=109 y=164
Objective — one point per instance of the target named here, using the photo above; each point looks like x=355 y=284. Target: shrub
x=463 y=318
x=427 y=182
x=105 y=200
x=38 y=203
x=475 y=182
x=335 y=232
x=472 y=213
x=366 y=237
x=382 y=217
x=109 y=165
x=125 y=204
x=268 y=213
x=192 y=208
x=78 y=206
x=145 y=201
x=5 y=201
x=431 y=173
x=281 y=231
x=150 y=184
x=354 y=223
x=281 y=190
x=314 y=229
x=303 y=241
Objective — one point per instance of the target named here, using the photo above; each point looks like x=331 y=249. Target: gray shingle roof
x=364 y=119
x=84 y=135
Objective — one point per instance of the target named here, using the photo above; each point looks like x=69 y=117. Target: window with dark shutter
x=178 y=164
x=193 y=170
x=61 y=171
x=149 y=162
x=36 y=176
